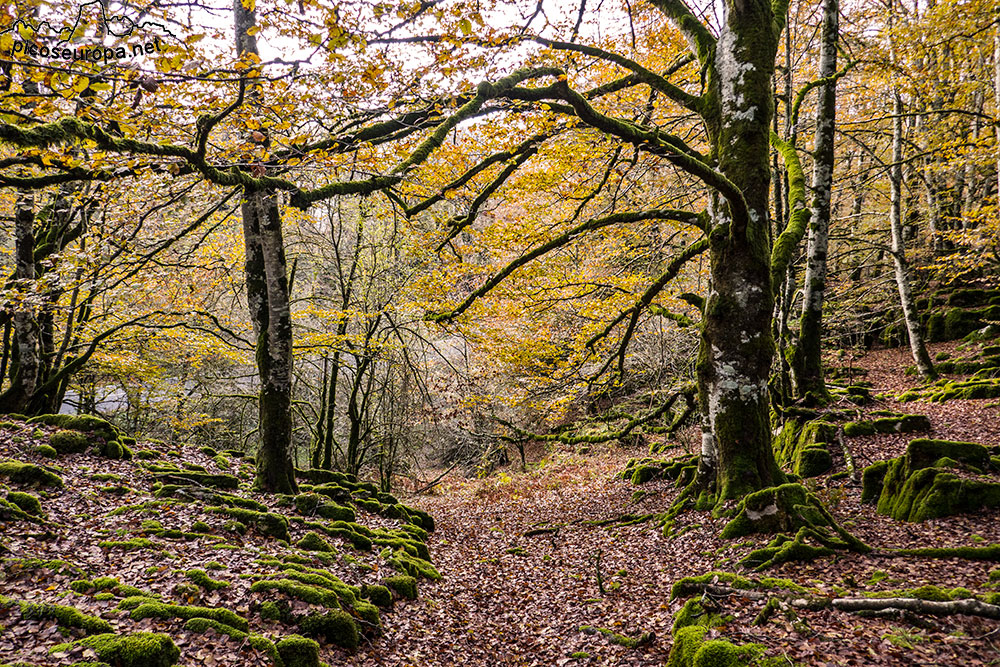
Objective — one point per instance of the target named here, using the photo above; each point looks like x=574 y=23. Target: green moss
x=379 y=595
x=915 y=489
x=813 y=461
x=81 y=586
x=105 y=583
x=69 y=617
x=142 y=649
x=30 y=474
x=404 y=562
x=334 y=627
x=276 y=611
x=268 y=523
x=164 y=611
x=300 y=591
x=990 y=553
x=872 y=479
x=200 y=527
x=147 y=454
x=265 y=646
x=103 y=597
x=203 y=624
x=47 y=451
x=855 y=429
x=134 y=544
x=312 y=541
x=297 y=651
x=69 y=442
x=694 y=613
x=615 y=638
x=717 y=653
x=404 y=585
x=27 y=502
x=690 y=585
x=687 y=641
x=201 y=578
x=221 y=481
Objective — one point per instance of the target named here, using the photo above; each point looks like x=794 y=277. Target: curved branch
x=561 y=240
x=788 y=240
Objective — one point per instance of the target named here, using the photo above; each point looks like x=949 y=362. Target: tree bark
x=270 y=312
x=910 y=316
x=24 y=372
x=808 y=362
x=737 y=347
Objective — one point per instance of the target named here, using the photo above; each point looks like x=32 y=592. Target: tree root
x=903 y=608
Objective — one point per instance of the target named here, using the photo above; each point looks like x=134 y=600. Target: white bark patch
x=732 y=72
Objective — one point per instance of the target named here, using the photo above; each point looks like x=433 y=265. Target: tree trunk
x=910 y=316
x=268 y=302
x=737 y=347
x=24 y=373
x=996 y=100
x=808 y=363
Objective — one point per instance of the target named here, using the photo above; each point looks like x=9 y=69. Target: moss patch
x=334 y=627
x=142 y=649
x=29 y=474
x=404 y=585
x=297 y=651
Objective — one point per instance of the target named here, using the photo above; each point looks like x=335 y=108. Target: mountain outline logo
x=110 y=22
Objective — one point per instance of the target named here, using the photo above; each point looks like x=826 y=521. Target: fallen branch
x=969 y=607
x=621 y=640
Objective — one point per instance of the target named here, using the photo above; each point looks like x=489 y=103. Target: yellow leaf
x=465 y=25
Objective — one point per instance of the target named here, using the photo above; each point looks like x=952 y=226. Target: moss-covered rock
x=69 y=442
x=67 y=617
x=813 y=461
x=201 y=578
x=379 y=595
x=797 y=437
x=334 y=627
x=142 y=649
x=923 y=484
x=161 y=610
x=203 y=624
x=29 y=474
x=313 y=541
x=297 y=651
x=404 y=585
x=220 y=481
x=27 y=502
x=268 y=523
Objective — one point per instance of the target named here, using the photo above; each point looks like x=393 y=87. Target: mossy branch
x=496 y=158
x=700 y=40
x=788 y=240
x=484 y=92
x=651 y=292
x=812 y=85
x=563 y=239
x=652 y=79
x=570 y=439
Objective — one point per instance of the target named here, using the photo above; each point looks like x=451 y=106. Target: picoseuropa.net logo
x=29 y=38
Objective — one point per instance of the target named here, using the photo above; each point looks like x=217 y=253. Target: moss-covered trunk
x=737 y=346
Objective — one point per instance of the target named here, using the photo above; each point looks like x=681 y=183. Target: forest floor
x=510 y=599
x=507 y=597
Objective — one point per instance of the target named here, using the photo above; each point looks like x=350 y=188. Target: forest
x=526 y=332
